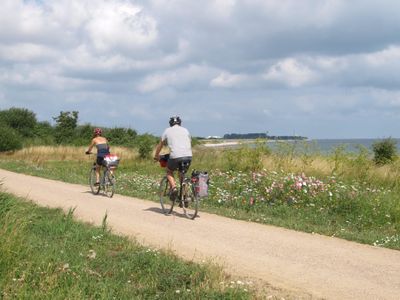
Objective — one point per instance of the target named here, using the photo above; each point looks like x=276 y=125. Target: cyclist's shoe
x=97 y=184
x=173 y=194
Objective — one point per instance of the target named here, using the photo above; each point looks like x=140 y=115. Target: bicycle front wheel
x=109 y=183
x=167 y=205
x=92 y=181
x=190 y=201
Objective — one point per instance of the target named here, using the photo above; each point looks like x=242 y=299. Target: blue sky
x=316 y=68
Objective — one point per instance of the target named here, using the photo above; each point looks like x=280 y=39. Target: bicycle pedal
x=173 y=194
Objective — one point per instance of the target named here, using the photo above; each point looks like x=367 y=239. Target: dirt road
x=310 y=266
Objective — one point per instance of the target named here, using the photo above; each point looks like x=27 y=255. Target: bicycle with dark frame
x=107 y=177
x=187 y=197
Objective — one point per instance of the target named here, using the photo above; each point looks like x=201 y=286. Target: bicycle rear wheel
x=167 y=205
x=109 y=183
x=92 y=181
x=190 y=201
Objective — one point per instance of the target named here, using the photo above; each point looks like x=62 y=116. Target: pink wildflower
x=251 y=202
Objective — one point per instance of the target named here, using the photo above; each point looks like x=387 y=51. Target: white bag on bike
x=111 y=160
x=202 y=182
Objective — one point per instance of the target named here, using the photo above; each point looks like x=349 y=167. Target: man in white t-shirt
x=179 y=142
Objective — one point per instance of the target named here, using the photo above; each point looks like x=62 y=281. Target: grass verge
x=45 y=254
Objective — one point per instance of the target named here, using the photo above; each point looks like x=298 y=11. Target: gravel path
x=297 y=264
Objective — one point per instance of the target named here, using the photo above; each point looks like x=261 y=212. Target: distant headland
x=244 y=136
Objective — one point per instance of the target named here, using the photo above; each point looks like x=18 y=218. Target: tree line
x=19 y=128
x=262 y=136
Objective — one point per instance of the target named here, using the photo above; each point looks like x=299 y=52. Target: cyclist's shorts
x=99 y=160
x=173 y=163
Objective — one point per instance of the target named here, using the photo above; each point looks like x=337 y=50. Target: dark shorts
x=99 y=160
x=173 y=163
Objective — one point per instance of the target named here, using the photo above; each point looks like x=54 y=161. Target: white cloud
x=290 y=72
x=121 y=25
x=226 y=79
x=27 y=52
x=176 y=78
x=387 y=56
x=222 y=8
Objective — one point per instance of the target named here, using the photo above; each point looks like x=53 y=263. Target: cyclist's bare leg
x=171 y=179
x=98 y=173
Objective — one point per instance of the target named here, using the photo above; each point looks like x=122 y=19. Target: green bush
x=10 y=140
x=384 y=151
x=20 y=119
x=247 y=157
x=145 y=144
x=43 y=133
x=121 y=136
x=83 y=135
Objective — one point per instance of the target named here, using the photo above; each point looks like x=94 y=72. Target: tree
x=44 y=132
x=10 y=140
x=84 y=135
x=384 y=151
x=121 y=136
x=66 y=124
x=20 y=119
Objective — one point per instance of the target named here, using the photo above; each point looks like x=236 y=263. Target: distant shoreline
x=227 y=142
x=323 y=145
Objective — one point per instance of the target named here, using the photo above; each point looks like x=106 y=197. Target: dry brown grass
x=325 y=166
x=317 y=164
x=62 y=153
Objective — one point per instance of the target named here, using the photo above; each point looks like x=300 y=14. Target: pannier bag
x=164 y=160
x=201 y=181
x=111 y=160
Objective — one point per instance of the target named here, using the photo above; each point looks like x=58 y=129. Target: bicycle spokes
x=167 y=205
x=189 y=201
x=109 y=184
x=92 y=182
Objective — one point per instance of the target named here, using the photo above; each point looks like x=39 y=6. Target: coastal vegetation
x=338 y=194
x=19 y=128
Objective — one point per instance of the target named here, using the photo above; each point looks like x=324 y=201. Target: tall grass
x=341 y=194
x=45 y=254
x=61 y=153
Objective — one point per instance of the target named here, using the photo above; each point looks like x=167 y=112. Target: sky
x=314 y=68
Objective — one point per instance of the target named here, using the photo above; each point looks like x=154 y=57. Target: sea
x=327 y=146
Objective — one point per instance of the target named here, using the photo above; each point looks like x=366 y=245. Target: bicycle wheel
x=190 y=201
x=92 y=181
x=167 y=205
x=109 y=183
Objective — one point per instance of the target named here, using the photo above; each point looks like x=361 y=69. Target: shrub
x=121 y=136
x=246 y=157
x=20 y=119
x=145 y=144
x=384 y=151
x=10 y=140
x=44 y=133
x=83 y=135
